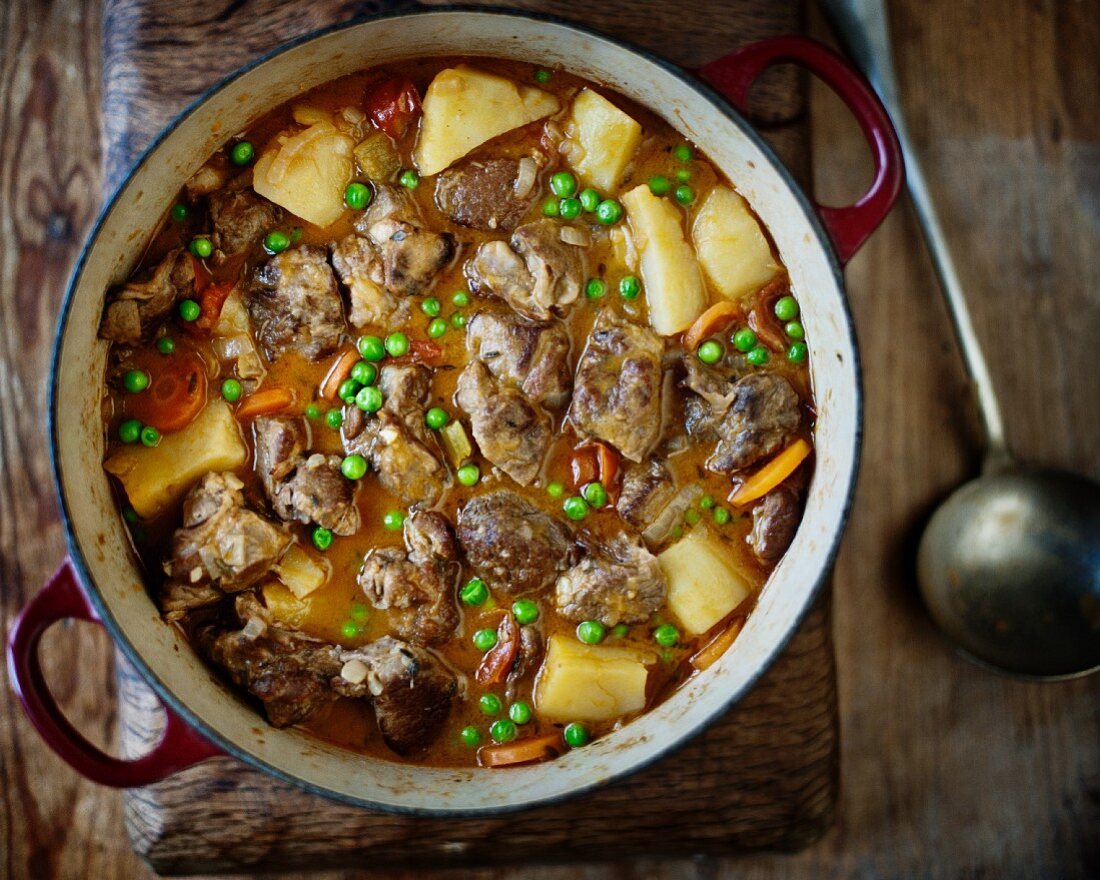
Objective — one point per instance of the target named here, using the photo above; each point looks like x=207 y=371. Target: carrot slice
x=607 y=459
x=523 y=751
x=338 y=372
x=267 y=400
x=771 y=474
x=716 y=647
x=176 y=393
x=710 y=322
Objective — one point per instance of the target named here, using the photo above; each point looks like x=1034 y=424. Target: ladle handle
x=863 y=28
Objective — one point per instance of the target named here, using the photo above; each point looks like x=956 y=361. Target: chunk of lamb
x=417 y=584
x=532 y=355
x=774 y=522
x=295 y=305
x=301 y=488
x=488 y=194
x=241 y=219
x=617 y=393
x=647 y=489
x=511 y=543
x=360 y=270
x=539 y=274
x=513 y=433
x=137 y=309
x=616 y=582
x=763 y=415
x=222 y=544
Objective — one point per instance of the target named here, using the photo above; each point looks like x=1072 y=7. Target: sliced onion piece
x=525 y=177
x=674 y=511
x=576 y=235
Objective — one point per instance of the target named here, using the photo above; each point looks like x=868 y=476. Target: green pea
x=685 y=195
x=677 y=533
x=542 y=76
x=555 y=489
x=575 y=507
x=551 y=208
x=129 y=431
x=609 y=212
x=431 y=307
x=758 y=356
x=595 y=494
x=591 y=632
x=368 y=399
x=589 y=199
x=474 y=592
x=490 y=703
x=190 y=310
x=485 y=639
x=436 y=418
x=363 y=372
x=796 y=354
x=795 y=331
x=659 y=185
x=231 y=390
x=347 y=390
x=150 y=436
x=526 y=611
x=710 y=352
x=166 y=345
x=468 y=474
x=706 y=502
x=744 y=339
x=437 y=328
x=595 y=288
x=470 y=736
x=629 y=287
x=334 y=418
x=371 y=348
x=354 y=467
x=350 y=629
x=409 y=179
x=786 y=308
x=461 y=299
x=458 y=320
x=721 y=515
x=179 y=212
x=683 y=153
x=563 y=184
x=691 y=516
x=570 y=209
x=322 y=538
x=357 y=196
x=520 y=712
x=135 y=381
x=683 y=175
x=620 y=630
x=276 y=242
x=296 y=235
x=242 y=153
x=503 y=731
x=397 y=344
x=129 y=515
x=201 y=247
x=666 y=635
x=359 y=612
x=393 y=520
x=576 y=735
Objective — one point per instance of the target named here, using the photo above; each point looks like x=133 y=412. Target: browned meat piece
x=417 y=584
x=241 y=219
x=774 y=521
x=534 y=356
x=539 y=274
x=512 y=432
x=715 y=384
x=512 y=544
x=300 y=488
x=356 y=432
x=483 y=194
x=178 y=600
x=617 y=394
x=222 y=542
x=212 y=176
x=527 y=660
x=406 y=389
x=360 y=271
x=388 y=203
x=137 y=309
x=405 y=466
x=763 y=415
x=617 y=582
x=296 y=306
x=647 y=489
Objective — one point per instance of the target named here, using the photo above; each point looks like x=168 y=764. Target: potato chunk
x=703 y=585
x=464 y=107
x=673 y=282
x=579 y=682
x=156 y=477
x=300 y=572
x=600 y=140
x=306 y=173
x=732 y=248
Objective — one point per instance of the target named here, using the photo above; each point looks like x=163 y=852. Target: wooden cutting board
x=763 y=776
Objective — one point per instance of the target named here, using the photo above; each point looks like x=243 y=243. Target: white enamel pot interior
x=98 y=540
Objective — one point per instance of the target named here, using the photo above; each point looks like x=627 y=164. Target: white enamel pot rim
x=96 y=536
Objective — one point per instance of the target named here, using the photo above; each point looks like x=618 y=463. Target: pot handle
x=61 y=599
x=848 y=226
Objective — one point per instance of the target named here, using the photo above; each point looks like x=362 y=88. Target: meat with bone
x=359 y=269
x=295 y=305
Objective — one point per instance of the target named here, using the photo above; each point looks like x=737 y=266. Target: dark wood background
x=948 y=771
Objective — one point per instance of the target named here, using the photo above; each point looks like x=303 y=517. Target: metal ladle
x=1009 y=564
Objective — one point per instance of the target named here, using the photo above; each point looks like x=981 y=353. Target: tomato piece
x=419 y=350
x=211 y=300
x=498 y=661
x=202 y=274
x=762 y=319
x=584 y=466
x=176 y=392
x=610 y=468
x=393 y=105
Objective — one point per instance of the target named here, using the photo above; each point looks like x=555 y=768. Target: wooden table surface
x=948 y=771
